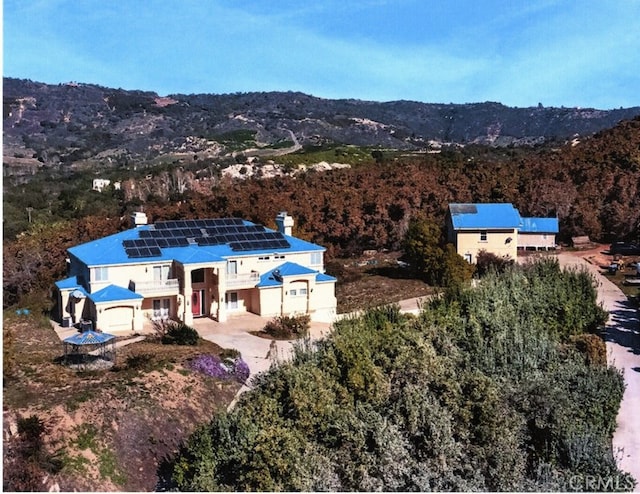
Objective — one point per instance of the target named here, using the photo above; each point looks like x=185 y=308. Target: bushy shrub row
x=175 y=333
x=478 y=393
x=288 y=327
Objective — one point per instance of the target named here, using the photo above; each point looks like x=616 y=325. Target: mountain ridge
x=61 y=125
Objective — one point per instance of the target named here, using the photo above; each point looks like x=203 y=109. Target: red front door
x=196 y=308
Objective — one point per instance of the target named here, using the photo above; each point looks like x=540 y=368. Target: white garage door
x=116 y=318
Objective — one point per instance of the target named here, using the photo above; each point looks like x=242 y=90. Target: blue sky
x=554 y=52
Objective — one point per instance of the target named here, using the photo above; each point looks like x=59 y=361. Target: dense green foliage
x=488 y=261
x=179 y=333
x=477 y=393
x=431 y=258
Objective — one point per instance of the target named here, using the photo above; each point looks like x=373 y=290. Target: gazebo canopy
x=90 y=350
x=89 y=338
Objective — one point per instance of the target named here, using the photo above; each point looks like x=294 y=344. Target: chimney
x=138 y=218
x=285 y=223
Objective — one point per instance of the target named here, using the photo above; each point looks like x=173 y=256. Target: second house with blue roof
x=185 y=269
x=497 y=228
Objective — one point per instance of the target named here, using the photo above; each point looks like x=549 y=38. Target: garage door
x=116 y=318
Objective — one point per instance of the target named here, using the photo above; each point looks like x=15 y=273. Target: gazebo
x=90 y=350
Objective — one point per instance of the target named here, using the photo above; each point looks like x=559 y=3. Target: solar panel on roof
x=203 y=241
x=137 y=252
x=145 y=233
x=201 y=223
x=463 y=208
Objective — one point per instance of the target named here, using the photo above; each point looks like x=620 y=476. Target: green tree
x=431 y=259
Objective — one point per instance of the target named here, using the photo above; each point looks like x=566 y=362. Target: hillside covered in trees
x=593 y=188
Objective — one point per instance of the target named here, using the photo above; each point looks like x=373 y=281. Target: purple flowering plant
x=214 y=366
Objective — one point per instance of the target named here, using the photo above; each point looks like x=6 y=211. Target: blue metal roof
x=110 y=250
x=539 y=225
x=88 y=338
x=70 y=283
x=113 y=293
x=324 y=278
x=293 y=269
x=484 y=216
x=289 y=269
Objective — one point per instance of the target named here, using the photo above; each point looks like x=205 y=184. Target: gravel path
x=622 y=336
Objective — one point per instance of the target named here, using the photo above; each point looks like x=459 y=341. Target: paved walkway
x=622 y=336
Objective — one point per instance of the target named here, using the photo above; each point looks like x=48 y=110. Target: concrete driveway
x=622 y=336
x=259 y=353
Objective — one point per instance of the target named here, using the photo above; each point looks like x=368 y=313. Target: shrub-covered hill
x=68 y=125
x=593 y=187
x=484 y=391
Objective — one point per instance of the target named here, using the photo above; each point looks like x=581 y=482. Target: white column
x=187 y=315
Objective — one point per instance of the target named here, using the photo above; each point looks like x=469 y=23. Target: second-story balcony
x=244 y=280
x=156 y=287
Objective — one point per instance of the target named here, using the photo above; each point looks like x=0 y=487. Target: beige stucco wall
x=468 y=242
x=538 y=240
x=323 y=302
x=320 y=301
x=121 y=275
x=270 y=301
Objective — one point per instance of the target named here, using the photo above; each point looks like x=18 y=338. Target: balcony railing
x=166 y=287
x=244 y=280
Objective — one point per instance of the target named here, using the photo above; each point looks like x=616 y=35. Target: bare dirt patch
x=373 y=280
x=110 y=429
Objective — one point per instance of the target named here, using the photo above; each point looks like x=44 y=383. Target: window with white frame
x=161 y=308
x=483 y=235
x=101 y=273
x=161 y=273
x=303 y=291
x=280 y=256
x=293 y=292
x=263 y=258
x=316 y=258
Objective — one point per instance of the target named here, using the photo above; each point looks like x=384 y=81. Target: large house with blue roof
x=186 y=269
x=497 y=228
